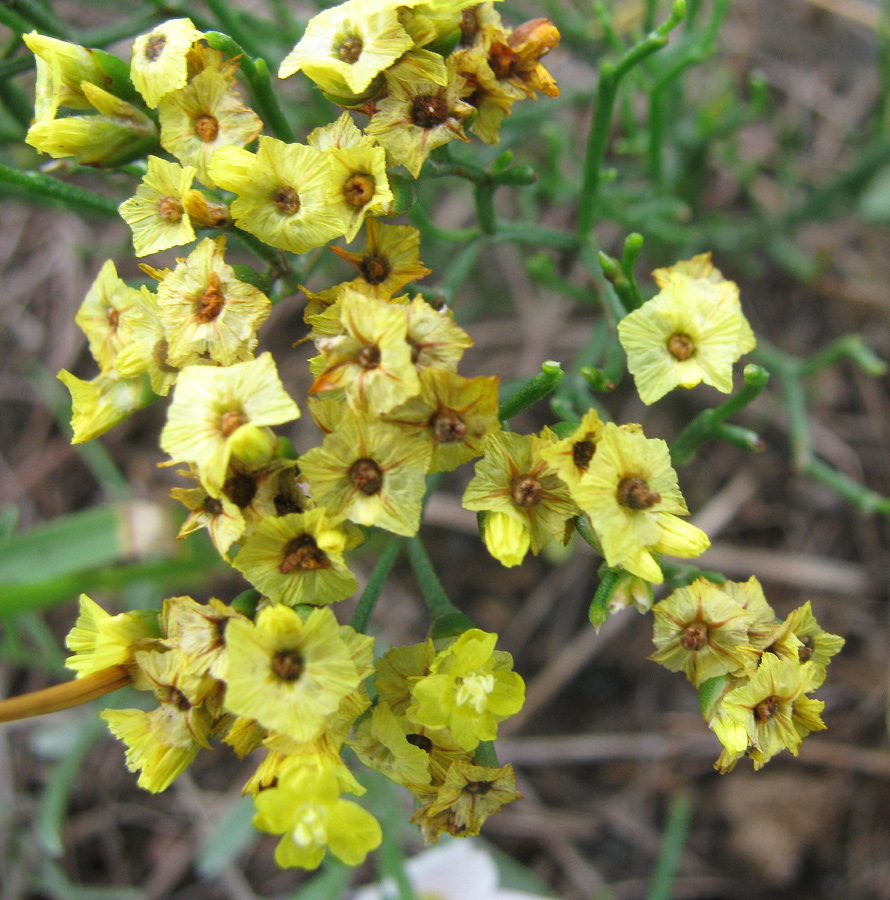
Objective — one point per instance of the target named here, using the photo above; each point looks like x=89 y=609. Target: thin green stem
x=705 y=425
x=850 y=346
x=483 y=194
x=77 y=198
x=14 y=21
x=19 y=106
x=224 y=12
x=676 y=830
x=611 y=75
x=437 y=601
x=798 y=422
x=42 y=18
x=531 y=391
x=539 y=235
x=422 y=221
x=459 y=270
x=861 y=497
x=256 y=71
x=110 y=34
x=361 y=618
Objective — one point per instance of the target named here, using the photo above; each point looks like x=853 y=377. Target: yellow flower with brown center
x=204 y=116
x=632 y=498
x=417 y=116
x=298 y=558
x=156 y=213
x=282 y=193
x=389 y=261
x=207 y=311
x=159 y=63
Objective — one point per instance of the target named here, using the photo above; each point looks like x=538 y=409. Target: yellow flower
x=159 y=63
x=436 y=340
x=514 y=479
x=119 y=133
x=492 y=99
x=307 y=811
x=680 y=338
x=469 y=690
x=99 y=640
x=817 y=645
x=282 y=193
x=297 y=559
x=103 y=313
x=506 y=539
x=358 y=185
x=345 y=47
x=371 y=359
x=417 y=116
x=207 y=310
x=631 y=495
x=701 y=631
x=516 y=60
x=389 y=261
x=699 y=275
x=61 y=69
x=102 y=403
x=456 y=413
x=156 y=213
x=469 y=795
x=570 y=457
x=773 y=709
x=204 y=116
x=218 y=413
x=371 y=473
x=287 y=673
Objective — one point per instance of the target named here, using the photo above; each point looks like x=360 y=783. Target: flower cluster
x=752 y=670
x=277 y=673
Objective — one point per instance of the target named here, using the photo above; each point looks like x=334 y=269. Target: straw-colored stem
x=64 y=696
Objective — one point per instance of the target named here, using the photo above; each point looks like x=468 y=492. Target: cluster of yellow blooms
x=392 y=409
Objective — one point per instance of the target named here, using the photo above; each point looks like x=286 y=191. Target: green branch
x=371 y=594
x=531 y=391
x=42 y=186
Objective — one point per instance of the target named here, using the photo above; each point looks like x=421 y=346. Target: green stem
x=483 y=193
x=486 y=755
x=421 y=219
x=70 y=195
x=362 y=616
x=611 y=75
x=861 y=497
x=798 y=422
x=611 y=301
x=17 y=103
x=850 y=345
x=111 y=34
x=41 y=18
x=14 y=21
x=705 y=425
x=256 y=71
x=459 y=270
x=434 y=595
x=540 y=235
x=533 y=390
x=224 y=11
x=673 y=841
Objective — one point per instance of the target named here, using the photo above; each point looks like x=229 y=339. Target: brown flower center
x=526 y=491
x=179 y=700
x=477 y=787
x=212 y=301
x=240 y=489
x=420 y=740
x=358 y=189
x=113 y=317
x=695 y=637
x=154 y=46
x=448 y=427
x=304 y=553
x=376 y=269
x=288 y=665
x=766 y=709
x=287 y=200
x=582 y=453
x=429 y=111
x=369 y=356
x=501 y=59
x=212 y=506
x=634 y=493
x=469 y=25
x=366 y=475
x=350 y=50
x=206 y=127
x=231 y=421
x=170 y=209
x=680 y=346
x=159 y=356
x=805 y=653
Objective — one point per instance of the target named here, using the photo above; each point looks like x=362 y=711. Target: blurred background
x=773 y=151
